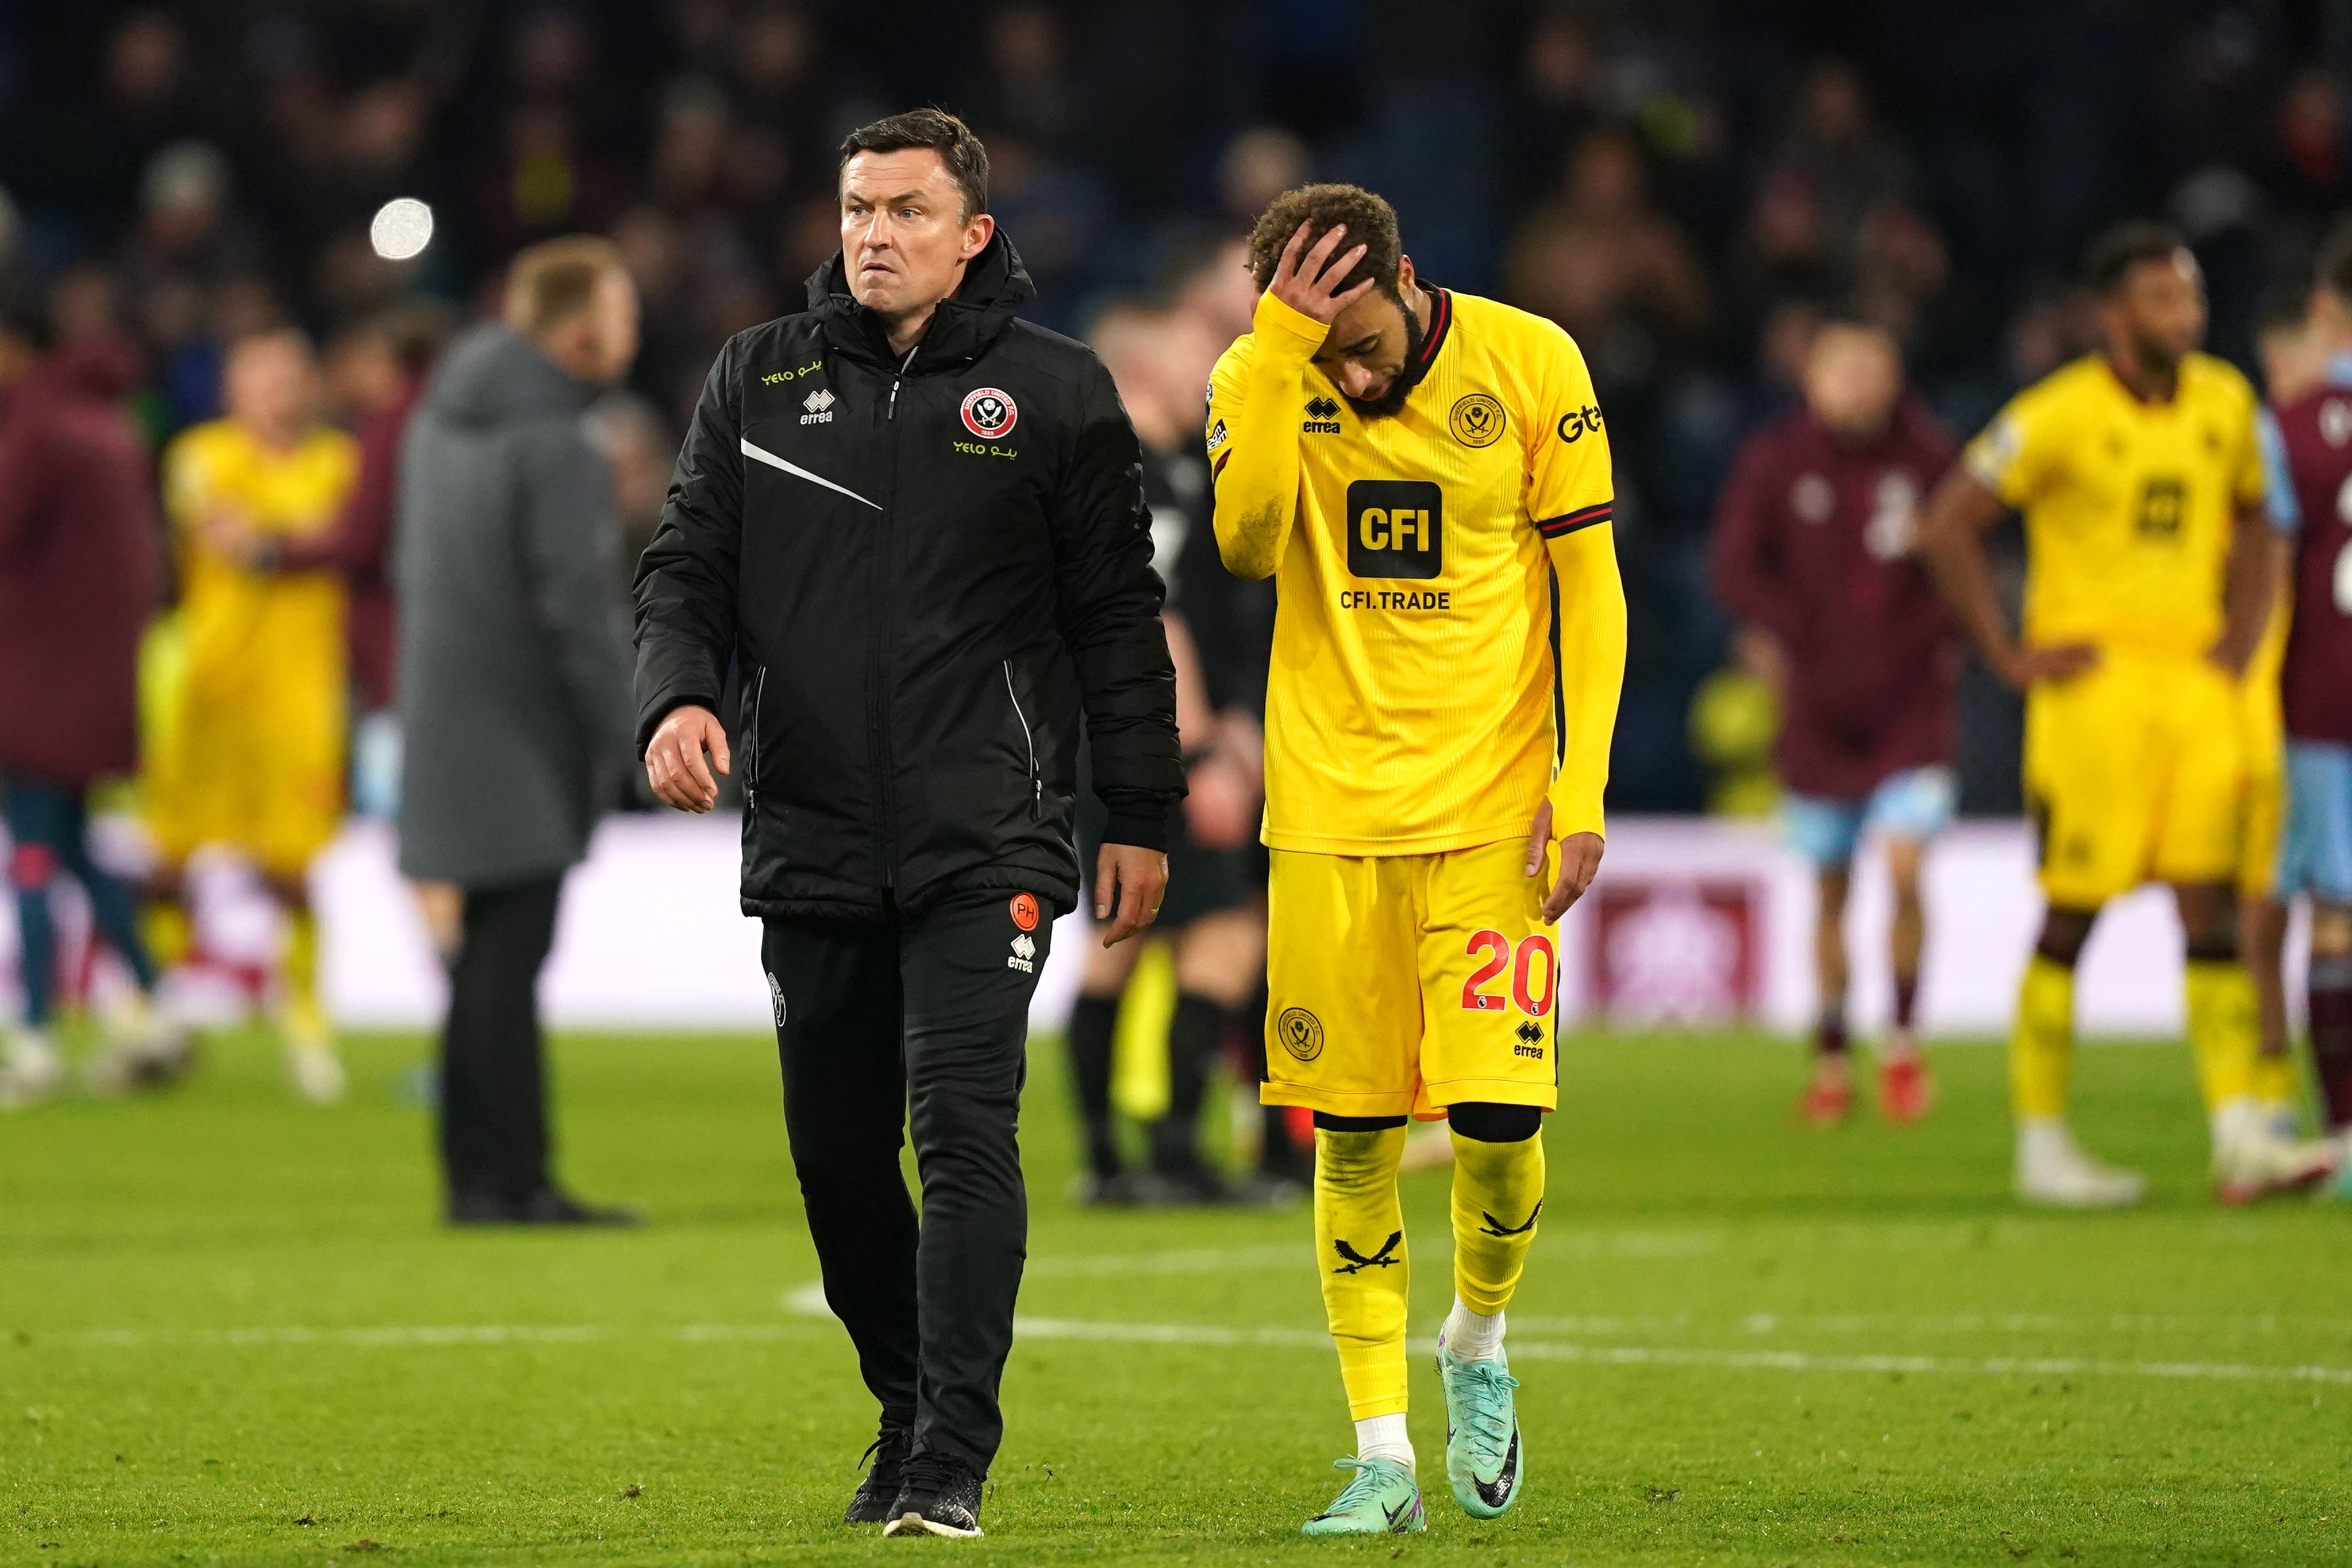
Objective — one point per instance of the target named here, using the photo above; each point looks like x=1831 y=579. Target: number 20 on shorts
x=1522 y=965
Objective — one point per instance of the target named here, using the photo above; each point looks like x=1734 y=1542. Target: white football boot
x=2053 y=1171
x=31 y=1071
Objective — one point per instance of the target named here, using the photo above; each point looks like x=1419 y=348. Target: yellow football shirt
x=2129 y=506
x=246 y=746
x=1410 y=707
x=234 y=615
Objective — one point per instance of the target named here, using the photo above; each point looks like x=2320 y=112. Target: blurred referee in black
x=914 y=526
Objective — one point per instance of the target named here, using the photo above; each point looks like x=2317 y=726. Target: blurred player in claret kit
x=1426 y=477
x=252 y=755
x=1813 y=551
x=2314 y=434
x=2151 y=573
x=2292 y=364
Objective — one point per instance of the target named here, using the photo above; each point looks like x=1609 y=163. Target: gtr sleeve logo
x=990 y=413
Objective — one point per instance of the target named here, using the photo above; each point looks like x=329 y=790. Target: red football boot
x=1830 y=1098
x=1906 y=1087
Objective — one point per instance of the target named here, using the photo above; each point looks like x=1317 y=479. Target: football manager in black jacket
x=914 y=525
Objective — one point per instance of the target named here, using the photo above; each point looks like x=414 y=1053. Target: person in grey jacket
x=515 y=700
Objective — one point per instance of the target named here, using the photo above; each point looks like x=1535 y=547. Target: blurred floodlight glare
x=402 y=229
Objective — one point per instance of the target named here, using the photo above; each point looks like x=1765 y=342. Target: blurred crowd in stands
x=1684 y=185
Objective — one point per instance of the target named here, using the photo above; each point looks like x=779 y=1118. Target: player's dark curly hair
x=963 y=152
x=2112 y=256
x=1370 y=221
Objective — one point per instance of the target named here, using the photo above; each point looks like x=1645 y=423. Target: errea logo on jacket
x=819 y=404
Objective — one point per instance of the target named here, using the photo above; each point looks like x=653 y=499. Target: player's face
x=904 y=239
x=2159 y=309
x=1852 y=377
x=270 y=383
x=1368 y=346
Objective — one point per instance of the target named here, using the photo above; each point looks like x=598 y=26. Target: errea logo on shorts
x=1025 y=954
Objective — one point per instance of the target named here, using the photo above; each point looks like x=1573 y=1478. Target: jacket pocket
x=1029 y=743
x=752 y=747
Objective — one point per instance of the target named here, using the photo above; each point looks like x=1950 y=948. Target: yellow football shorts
x=2262 y=717
x=2134 y=772
x=1403 y=984
x=253 y=760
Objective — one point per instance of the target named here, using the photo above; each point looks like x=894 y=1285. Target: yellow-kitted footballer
x=1418 y=469
x=2149 y=574
x=251 y=753
x=254 y=755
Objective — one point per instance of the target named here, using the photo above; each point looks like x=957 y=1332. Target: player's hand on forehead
x=1310 y=284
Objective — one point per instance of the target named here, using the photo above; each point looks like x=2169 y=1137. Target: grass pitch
x=231 y=1331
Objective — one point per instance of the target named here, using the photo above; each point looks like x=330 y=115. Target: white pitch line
x=807 y=1303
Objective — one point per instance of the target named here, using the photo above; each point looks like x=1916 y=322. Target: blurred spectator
x=78 y=578
x=514 y=690
x=250 y=758
x=637 y=443
x=1257 y=166
x=1602 y=259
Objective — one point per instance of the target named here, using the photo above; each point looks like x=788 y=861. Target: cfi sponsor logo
x=819 y=404
x=1025 y=954
x=990 y=413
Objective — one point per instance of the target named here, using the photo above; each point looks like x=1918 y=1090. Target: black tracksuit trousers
x=919 y=1020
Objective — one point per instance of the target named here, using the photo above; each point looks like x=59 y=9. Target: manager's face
x=904 y=236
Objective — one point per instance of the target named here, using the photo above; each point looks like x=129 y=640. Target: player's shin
x=1360 y=1251
x=2225 y=1037
x=2330 y=999
x=2042 y=1045
x=1498 y=1193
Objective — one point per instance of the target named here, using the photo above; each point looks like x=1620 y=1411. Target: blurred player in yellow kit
x=2150 y=575
x=1425 y=475
x=250 y=756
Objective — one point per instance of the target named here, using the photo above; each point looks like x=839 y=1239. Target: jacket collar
x=995 y=286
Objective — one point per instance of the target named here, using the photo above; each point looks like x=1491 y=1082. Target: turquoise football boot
x=1383 y=1500
x=1483 y=1459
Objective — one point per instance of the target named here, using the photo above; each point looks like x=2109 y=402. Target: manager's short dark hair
x=2112 y=256
x=963 y=152
x=1372 y=223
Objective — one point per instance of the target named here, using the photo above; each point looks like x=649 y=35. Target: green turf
x=217 y=1313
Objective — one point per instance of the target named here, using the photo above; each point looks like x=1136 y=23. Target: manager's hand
x=1133 y=881
x=674 y=764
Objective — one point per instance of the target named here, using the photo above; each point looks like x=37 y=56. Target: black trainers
x=880 y=1487
x=941 y=1497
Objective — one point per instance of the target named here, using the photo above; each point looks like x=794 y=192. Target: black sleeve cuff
x=1146 y=830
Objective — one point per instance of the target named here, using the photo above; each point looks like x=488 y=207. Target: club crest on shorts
x=990 y=413
x=1024 y=911
x=1301 y=1033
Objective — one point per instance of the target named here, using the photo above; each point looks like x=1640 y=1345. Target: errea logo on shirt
x=1322 y=417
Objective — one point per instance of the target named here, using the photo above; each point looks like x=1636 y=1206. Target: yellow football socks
x=1359 y=1250
x=165 y=925
x=306 y=1019
x=2224 y=1031
x=1497 y=1192
x=2276 y=1083
x=2041 y=1046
